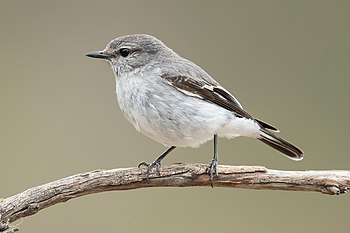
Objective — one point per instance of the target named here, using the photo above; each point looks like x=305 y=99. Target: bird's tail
x=281 y=145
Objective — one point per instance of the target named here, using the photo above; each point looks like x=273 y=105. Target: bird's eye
x=124 y=52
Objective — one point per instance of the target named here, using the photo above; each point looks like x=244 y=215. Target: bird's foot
x=155 y=163
x=150 y=166
x=212 y=169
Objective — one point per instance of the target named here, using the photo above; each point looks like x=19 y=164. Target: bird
x=173 y=101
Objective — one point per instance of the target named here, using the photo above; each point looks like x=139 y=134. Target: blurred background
x=286 y=61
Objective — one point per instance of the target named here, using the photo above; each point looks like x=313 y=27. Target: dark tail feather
x=267 y=125
x=281 y=145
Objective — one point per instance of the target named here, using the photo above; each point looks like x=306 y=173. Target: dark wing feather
x=206 y=91
x=212 y=93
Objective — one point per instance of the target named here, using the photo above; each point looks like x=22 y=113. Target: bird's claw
x=212 y=168
x=150 y=166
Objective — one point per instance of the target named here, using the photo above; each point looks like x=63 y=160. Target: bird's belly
x=178 y=126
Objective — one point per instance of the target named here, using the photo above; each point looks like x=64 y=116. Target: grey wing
x=211 y=92
x=204 y=90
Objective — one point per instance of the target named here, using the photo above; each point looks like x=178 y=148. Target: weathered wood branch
x=35 y=199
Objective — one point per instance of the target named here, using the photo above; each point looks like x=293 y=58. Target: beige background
x=286 y=61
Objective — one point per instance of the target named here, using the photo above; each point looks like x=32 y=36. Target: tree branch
x=37 y=198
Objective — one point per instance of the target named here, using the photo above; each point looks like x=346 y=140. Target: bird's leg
x=214 y=162
x=156 y=163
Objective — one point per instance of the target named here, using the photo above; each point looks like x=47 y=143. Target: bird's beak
x=98 y=54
